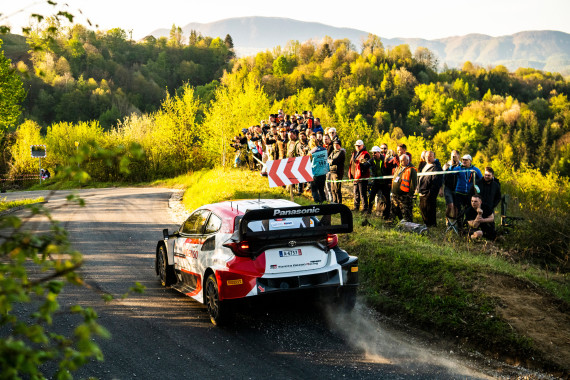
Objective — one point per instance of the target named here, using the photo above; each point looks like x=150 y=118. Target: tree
x=12 y=93
x=229 y=42
x=239 y=103
x=372 y=45
x=175 y=38
x=426 y=57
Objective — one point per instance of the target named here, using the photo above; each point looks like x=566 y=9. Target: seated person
x=480 y=219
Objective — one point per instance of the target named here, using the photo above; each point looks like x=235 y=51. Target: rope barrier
x=391 y=176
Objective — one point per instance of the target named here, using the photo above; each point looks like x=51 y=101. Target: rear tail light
x=332 y=240
x=239 y=248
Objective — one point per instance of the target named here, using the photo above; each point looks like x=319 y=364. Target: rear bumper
x=240 y=285
x=332 y=278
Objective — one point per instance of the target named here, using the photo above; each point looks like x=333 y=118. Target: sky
x=388 y=19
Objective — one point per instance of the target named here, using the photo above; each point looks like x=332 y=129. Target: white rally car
x=236 y=249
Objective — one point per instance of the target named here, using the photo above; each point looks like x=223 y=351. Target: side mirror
x=165 y=234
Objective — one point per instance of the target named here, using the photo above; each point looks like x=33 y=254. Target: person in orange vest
x=403 y=188
x=359 y=170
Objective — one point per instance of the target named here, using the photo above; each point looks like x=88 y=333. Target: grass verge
x=7 y=205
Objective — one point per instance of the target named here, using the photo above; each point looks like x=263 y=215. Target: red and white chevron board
x=289 y=171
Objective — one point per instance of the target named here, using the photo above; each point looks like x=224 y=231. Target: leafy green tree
x=281 y=66
x=239 y=103
x=175 y=37
x=12 y=93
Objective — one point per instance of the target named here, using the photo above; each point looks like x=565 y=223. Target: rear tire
x=165 y=272
x=348 y=298
x=216 y=309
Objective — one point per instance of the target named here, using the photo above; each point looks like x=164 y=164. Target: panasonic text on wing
x=279 y=212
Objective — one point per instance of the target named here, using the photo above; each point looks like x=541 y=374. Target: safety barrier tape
x=391 y=176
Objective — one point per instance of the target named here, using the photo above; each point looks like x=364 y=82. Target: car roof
x=228 y=210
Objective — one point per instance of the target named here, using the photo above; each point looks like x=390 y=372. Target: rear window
x=282 y=224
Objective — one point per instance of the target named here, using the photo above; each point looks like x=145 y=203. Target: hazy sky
x=388 y=19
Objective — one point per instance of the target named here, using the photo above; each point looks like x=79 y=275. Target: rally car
x=250 y=248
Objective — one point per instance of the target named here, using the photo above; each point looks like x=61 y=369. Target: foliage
x=12 y=93
x=35 y=268
x=238 y=104
x=6 y=205
x=28 y=134
x=77 y=74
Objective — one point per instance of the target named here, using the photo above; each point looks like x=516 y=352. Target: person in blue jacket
x=320 y=168
x=467 y=176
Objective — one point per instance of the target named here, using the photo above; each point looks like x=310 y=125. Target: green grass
x=6 y=205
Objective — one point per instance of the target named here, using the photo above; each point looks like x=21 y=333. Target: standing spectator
x=317 y=126
x=254 y=153
x=450 y=182
x=319 y=137
x=490 y=189
x=428 y=188
x=303 y=145
x=282 y=142
x=394 y=162
x=385 y=183
x=376 y=165
x=467 y=175
x=423 y=160
x=333 y=134
x=403 y=187
x=310 y=120
x=327 y=144
x=271 y=142
x=359 y=170
x=336 y=166
x=320 y=168
x=480 y=219
x=292 y=144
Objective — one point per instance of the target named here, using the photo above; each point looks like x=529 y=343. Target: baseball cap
x=333 y=129
x=359 y=142
x=467 y=157
x=375 y=149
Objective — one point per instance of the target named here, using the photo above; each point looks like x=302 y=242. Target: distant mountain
x=546 y=50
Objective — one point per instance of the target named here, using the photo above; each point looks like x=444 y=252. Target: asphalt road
x=163 y=334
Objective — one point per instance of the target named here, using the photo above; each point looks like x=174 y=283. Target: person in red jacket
x=359 y=170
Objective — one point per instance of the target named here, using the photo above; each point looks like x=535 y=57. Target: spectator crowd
x=384 y=181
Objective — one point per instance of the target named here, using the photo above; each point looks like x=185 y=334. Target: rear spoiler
x=325 y=212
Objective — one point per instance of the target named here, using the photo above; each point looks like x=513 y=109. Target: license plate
x=292 y=252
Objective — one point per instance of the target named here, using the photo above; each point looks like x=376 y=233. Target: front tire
x=216 y=308
x=165 y=272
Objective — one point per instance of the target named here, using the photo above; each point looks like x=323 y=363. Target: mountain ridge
x=547 y=50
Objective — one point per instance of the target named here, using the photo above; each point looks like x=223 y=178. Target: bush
x=544 y=203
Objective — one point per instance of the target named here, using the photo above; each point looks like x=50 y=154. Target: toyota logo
x=292 y=243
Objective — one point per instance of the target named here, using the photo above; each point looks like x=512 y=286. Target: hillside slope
x=545 y=50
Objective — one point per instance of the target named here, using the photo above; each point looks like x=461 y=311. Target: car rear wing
x=330 y=219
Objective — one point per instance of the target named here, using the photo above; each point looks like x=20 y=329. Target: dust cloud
x=363 y=331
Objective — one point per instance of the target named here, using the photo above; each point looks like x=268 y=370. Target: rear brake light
x=239 y=248
x=332 y=240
